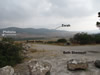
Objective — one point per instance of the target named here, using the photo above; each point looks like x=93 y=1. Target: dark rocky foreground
x=33 y=67
x=50 y=60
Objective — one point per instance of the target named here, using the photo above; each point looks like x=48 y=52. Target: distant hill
x=94 y=31
x=42 y=32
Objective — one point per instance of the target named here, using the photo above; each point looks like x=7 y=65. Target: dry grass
x=35 y=50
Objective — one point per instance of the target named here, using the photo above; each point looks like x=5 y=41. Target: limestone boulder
x=75 y=64
x=7 y=70
x=39 y=67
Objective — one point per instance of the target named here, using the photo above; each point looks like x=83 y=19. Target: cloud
x=71 y=8
x=46 y=13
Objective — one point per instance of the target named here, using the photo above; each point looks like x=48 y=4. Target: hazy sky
x=81 y=14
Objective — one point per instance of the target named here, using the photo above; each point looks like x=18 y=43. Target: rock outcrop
x=33 y=67
x=39 y=67
x=75 y=64
x=7 y=70
x=97 y=63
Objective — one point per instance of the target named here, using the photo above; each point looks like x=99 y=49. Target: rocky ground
x=57 y=57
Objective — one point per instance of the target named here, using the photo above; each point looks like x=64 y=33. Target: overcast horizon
x=82 y=15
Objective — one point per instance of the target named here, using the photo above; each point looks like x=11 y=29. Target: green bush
x=8 y=39
x=9 y=53
x=61 y=41
x=51 y=42
x=97 y=38
x=84 y=38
